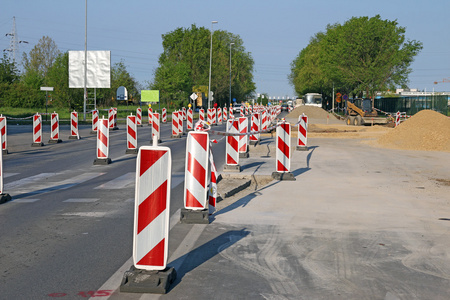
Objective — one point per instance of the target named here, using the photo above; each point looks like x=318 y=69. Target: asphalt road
x=69 y=225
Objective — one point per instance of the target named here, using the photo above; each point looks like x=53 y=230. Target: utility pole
x=13 y=44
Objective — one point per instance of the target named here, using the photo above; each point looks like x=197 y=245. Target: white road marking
x=82 y=200
x=126 y=180
x=24 y=200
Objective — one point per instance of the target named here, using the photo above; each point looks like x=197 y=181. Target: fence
x=412 y=105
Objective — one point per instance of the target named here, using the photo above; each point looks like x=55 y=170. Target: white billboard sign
x=98 y=69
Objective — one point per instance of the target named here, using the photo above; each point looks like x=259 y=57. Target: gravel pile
x=313 y=112
x=426 y=131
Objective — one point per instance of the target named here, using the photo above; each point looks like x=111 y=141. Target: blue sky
x=273 y=31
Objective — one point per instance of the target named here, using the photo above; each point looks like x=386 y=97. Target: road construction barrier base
x=4 y=198
x=131 y=151
x=146 y=281
x=243 y=154
x=37 y=144
x=178 y=136
x=159 y=142
x=74 y=137
x=254 y=143
x=93 y=132
x=283 y=176
x=102 y=161
x=232 y=168
x=5 y=151
x=301 y=148
x=190 y=216
x=55 y=141
x=114 y=128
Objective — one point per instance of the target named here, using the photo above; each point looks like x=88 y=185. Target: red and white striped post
x=232 y=147
x=397 y=119
x=37 y=131
x=54 y=129
x=94 y=121
x=131 y=135
x=201 y=114
x=156 y=128
x=243 y=145
x=302 y=133
x=264 y=120
x=183 y=109
x=111 y=118
x=152 y=208
x=164 y=115
x=3 y=196
x=102 y=143
x=211 y=115
x=74 y=134
x=196 y=178
x=225 y=114
x=189 y=120
x=3 y=134
x=241 y=111
x=246 y=110
x=255 y=126
x=138 y=117
x=175 y=133
x=212 y=191
x=115 y=119
x=219 y=115
x=180 y=123
x=283 y=153
x=231 y=112
x=150 y=117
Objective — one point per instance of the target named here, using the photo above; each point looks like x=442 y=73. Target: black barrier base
x=243 y=155
x=102 y=161
x=254 y=143
x=37 y=144
x=301 y=148
x=4 y=198
x=5 y=151
x=283 y=176
x=159 y=142
x=93 y=132
x=232 y=168
x=190 y=216
x=55 y=141
x=131 y=151
x=143 y=281
x=74 y=137
x=178 y=136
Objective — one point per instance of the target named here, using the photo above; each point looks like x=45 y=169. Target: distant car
x=284 y=107
x=237 y=108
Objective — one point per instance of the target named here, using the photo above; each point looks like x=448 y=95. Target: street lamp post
x=229 y=103
x=210 y=62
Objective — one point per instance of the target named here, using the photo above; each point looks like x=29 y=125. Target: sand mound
x=313 y=112
x=427 y=131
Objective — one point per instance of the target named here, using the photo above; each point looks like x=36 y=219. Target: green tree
x=184 y=63
x=41 y=57
x=8 y=70
x=364 y=54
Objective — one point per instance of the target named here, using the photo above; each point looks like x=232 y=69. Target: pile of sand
x=313 y=112
x=427 y=131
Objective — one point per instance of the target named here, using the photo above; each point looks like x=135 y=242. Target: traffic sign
x=194 y=96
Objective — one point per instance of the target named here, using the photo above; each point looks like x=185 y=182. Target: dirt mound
x=313 y=112
x=427 y=131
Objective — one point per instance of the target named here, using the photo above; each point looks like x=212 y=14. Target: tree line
x=359 y=58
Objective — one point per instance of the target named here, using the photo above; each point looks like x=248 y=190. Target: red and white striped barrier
x=54 y=129
x=175 y=124
x=211 y=115
x=164 y=115
x=264 y=119
x=3 y=196
x=189 y=119
x=212 y=191
x=201 y=114
x=131 y=134
x=243 y=145
x=302 y=133
x=74 y=134
x=246 y=110
x=183 y=109
x=196 y=171
x=152 y=208
x=225 y=114
x=115 y=118
x=150 y=116
x=102 y=143
x=110 y=118
x=283 y=153
x=94 y=121
x=241 y=112
x=156 y=128
x=397 y=118
x=139 y=117
x=231 y=113
x=232 y=147
x=255 y=126
x=37 y=131
x=180 y=123
x=219 y=115
x=3 y=134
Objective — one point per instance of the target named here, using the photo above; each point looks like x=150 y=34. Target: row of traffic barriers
x=150 y=273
